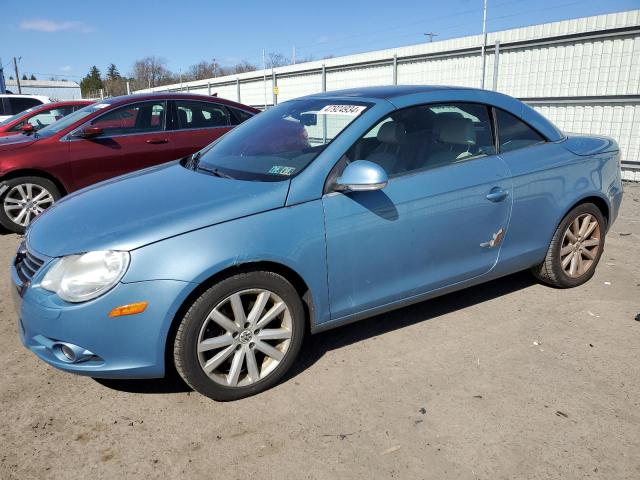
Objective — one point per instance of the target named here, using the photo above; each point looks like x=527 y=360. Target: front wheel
x=23 y=199
x=575 y=249
x=240 y=336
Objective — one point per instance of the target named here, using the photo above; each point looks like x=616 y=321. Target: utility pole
x=264 y=70
x=430 y=35
x=3 y=87
x=15 y=67
x=484 y=42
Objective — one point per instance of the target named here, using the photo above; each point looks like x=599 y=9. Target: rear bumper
x=122 y=347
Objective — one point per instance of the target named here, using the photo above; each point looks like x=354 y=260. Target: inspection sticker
x=351 y=110
x=278 y=170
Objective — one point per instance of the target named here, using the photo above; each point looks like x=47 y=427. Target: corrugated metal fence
x=583 y=74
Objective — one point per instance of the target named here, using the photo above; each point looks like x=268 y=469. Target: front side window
x=427 y=136
x=144 y=117
x=193 y=114
x=281 y=141
x=514 y=133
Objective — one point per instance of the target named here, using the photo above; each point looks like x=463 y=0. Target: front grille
x=27 y=263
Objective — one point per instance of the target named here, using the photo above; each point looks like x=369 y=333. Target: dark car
x=103 y=140
x=37 y=118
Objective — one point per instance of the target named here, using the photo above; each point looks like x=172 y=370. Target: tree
x=114 y=83
x=24 y=77
x=112 y=72
x=203 y=70
x=276 y=60
x=91 y=84
x=32 y=77
x=151 y=72
x=242 y=67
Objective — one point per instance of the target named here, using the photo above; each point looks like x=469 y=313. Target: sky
x=64 y=38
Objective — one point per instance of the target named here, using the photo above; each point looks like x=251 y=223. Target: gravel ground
x=510 y=379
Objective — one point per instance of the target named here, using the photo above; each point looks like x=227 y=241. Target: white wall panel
x=597 y=63
x=622 y=122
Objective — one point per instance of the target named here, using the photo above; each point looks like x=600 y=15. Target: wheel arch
x=598 y=201
x=287 y=272
x=34 y=172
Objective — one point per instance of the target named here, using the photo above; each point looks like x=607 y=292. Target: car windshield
x=70 y=119
x=18 y=115
x=279 y=143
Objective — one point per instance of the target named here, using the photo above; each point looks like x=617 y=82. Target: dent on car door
x=133 y=137
x=197 y=124
x=439 y=221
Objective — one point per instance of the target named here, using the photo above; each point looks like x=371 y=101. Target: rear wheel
x=23 y=199
x=240 y=336
x=575 y=249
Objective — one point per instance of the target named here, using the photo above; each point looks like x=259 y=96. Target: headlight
x=78 y=278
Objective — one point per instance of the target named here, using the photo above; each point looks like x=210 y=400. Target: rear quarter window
x=514 y=133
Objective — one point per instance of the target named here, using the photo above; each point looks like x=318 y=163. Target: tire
x=25 y=189
x=227 y=356
x=559 y=269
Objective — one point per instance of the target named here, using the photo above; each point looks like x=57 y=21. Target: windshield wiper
x=215 y=172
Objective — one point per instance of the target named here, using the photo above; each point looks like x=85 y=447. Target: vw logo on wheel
x=246 y=336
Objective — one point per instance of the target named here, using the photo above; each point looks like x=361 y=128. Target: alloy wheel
x=580 y=245
x=244 y=338
x=26 y=201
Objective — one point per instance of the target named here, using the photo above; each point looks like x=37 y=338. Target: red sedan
x=37 y=118
x=103 y=140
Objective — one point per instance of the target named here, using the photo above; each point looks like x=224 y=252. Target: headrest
x=457 y=130
x=391 y=132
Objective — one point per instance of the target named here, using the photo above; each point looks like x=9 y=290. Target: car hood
x=148 y=206
x=15 y=142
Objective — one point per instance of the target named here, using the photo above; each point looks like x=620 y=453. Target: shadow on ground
x=317 y=345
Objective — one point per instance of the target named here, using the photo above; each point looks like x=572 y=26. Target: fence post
x=324 y=78
x=274 y=87
x=395 y=69
x=496 y=61
x=128 y=88
x=102 y=94
x=238 y=89
x=209 y=88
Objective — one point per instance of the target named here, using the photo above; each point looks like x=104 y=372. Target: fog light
x=68 y=352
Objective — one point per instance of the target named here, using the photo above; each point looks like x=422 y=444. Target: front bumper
x=122 y=347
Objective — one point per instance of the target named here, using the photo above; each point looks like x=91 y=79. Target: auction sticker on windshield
x=352 y=110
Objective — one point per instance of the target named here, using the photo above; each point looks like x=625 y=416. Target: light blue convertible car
x=318 y=212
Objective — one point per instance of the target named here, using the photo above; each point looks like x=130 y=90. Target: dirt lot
x=507 y=380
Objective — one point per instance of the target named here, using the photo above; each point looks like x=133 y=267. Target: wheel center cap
x=245 y=336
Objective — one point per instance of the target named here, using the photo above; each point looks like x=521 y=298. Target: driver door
x=134 y=137
x=433 y=224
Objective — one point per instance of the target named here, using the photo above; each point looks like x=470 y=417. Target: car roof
x=402 y=96
x=136 y=97
x=387 y=92
x=43 y=98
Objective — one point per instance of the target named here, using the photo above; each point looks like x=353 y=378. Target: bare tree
x=151 y=72
x=242 y=67
x=205 y=69
x=276 y=60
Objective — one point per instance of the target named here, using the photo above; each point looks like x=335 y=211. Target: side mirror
x=27 y=128
x=361 y=176
x=89 y=132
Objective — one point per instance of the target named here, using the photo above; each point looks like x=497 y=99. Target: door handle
x=496 y=194
x=158 y=140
